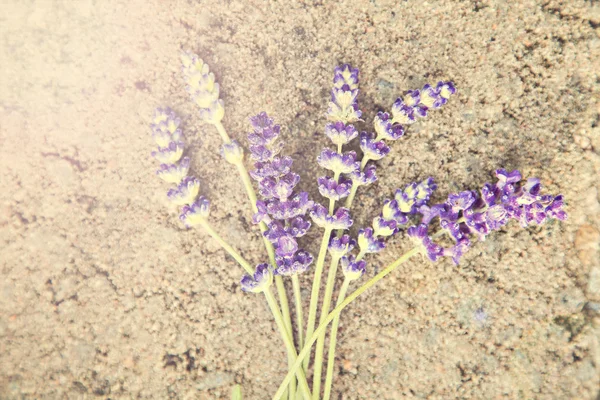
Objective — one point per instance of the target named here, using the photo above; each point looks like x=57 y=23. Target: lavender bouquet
x=284 y=214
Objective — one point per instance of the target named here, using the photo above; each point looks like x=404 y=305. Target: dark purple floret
x=431 y=249
x=462 y=200
x=286 y=246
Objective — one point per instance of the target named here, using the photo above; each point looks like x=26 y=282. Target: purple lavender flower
x=462 y=200
x=497 y=205
x=196 y=212
x=430 y=97
x=368 y=242
x=186 y=191
x=339 y=220
x=507 y=178
x=170 y=154
x=344 y=163
x=339 y=133
x=343 y=106
x=372 y=149
x=412 y=98
x=414 y=195
x=174 y=173
x=391 y=212
x=446 y=90
x=279 y=166
x=383 y=227
x=262 y=279
x=365 y=177
x=352 y=269
x=385 y=129
x=420 y=233
x=333 y=190
x=281 y=208
x=299 y=263
x=402 y=113
x=340 y=246
x=286 y=246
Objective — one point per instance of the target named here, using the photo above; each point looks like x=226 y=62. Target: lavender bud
x=343 y=106
x=414 y=196
x=340 y=246
x=195 y=213
x=506 y=178
x=333 y=190
x=186 y=191
x=164 y=127
x=299 y=263
x=446 y=90
x=462 y=200
x=338 y=163
x=345 y=77
x=339 y=133
x=232 y=152
x=372 y=149
x=339 y=220
x=403 y=114
x=262 y=279
x=368 y=242
x=385 y=129
x=174 y=173
x=430 y=97
x=214 y=113
x=286 y=246
x=382 y=227
x=170 y=154
x=352 y=269
x=364 y=177
x=412 y=98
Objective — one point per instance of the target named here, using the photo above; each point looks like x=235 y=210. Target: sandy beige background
x=103 y=294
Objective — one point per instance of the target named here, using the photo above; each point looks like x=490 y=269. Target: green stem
x=333 y=342
x=354 y=187
x=318 y=365
x=311 y=340
x=299 y=314
x=243 y=172
x=232 y=252
x=289 y=344
x=316 y=286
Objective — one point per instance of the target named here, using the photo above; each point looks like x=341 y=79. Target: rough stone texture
x=104 y=295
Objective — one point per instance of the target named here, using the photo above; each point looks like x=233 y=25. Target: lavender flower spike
x=202 y=88
x=195 y=213
x=262 y=279
x=352 y=269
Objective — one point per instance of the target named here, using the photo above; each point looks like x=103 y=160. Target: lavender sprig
x=281 y=208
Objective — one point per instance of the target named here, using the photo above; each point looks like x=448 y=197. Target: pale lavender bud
x=340 y=246
x=174 y=173
x=233 y=152
x=186 y=191
x=195 y=213
x=170 y=154
x=339 y=133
